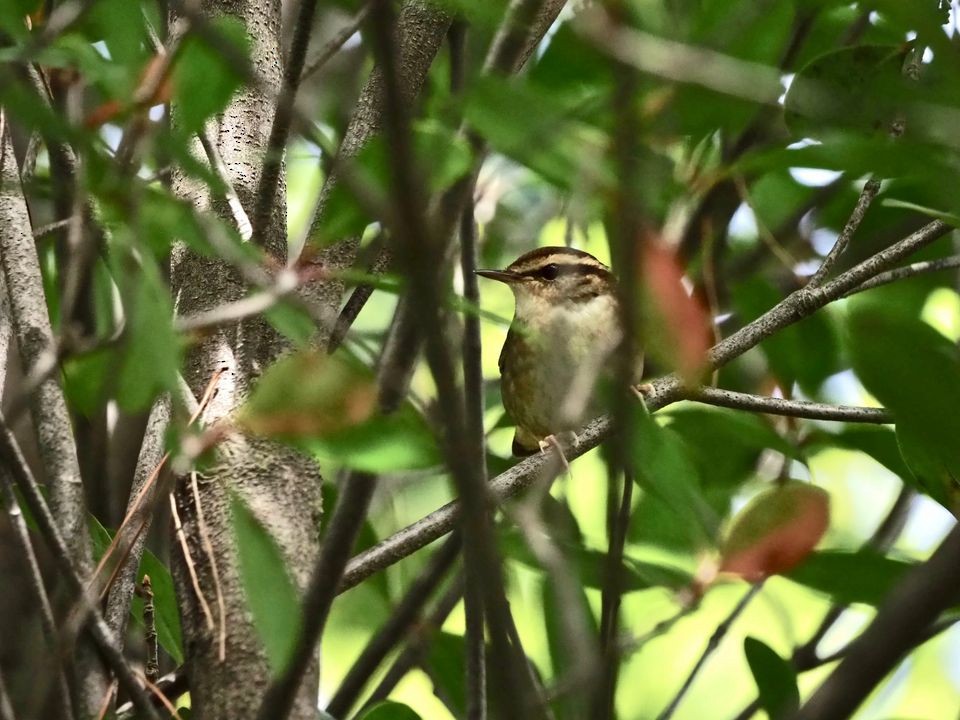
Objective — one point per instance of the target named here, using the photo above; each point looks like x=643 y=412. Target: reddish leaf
x=776 y=531
x=681 y=323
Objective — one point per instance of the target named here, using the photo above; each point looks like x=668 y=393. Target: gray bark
x=32 y=331
x=34 y=336
x=280 y=486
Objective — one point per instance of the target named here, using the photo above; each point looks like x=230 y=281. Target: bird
x=566 y=326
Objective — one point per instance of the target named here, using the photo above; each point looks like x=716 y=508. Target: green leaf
x=390 y=710
x=664 y=468
x=271 y=594
x=775 y=677
x=725 y=444
x=205 y=77
x=442 y=157
x=848 y=577
x=119 y=25
x=327 y=406
x=13 y=15
x=293 y=322
x=880 y=443
x=860 y=88
x=445 y=662
x=914 y=371
x=151 y=357
x=807 y=352
x=166 y=611
x=500 y=110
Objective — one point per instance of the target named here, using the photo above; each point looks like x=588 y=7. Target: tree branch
x=790 y=408
x=15 y=465
x=909 y=611
x=400 y=623
x=266 y=194
x=718 y=635
x=869 y=192
x=919 y=268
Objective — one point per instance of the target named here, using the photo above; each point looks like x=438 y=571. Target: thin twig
x=913 y=270
x=805 y=656
x=789 y=408
x=207 y=546
x=105 y=640
x=240 y=217
x=410 y=655
x=907 y=614
x=869 y=192
x=722 y=629
x=400 y=623
x=341 y=534
x=47 y=622
x=475 y=667
x=411 y=234
x=336 y=42
x=266 y=196
x=151 y=667
x=188 y=560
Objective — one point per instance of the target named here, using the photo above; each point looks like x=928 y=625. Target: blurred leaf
x=443 y=157
x=84 y=380
x=776 y=531
x=879 y=443
x=860 y=88
x=204 y=78
x=13 y=16
x=308 y=393
x=915 y=372
x=562 y=657
x=390 y=710
x=445 y=661
x=664 y=468
x=500 y=110
x=151 y=357
x=807 y=352
x=589 y=566
x=326 y=405
x=725 y=444
x=849 y=577
x=775 y=677
x=119 y=25
x=293 y=323
x=270 y=592
x=679 y=329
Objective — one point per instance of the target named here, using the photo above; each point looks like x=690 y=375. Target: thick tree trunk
x=280 y=486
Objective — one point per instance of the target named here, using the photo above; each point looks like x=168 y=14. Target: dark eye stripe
x=568 y=269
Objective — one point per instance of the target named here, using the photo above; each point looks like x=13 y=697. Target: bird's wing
x=512 y=337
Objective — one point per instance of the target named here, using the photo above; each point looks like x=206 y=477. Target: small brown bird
x=565 y=327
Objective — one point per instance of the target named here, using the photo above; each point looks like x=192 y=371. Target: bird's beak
x=501 y=275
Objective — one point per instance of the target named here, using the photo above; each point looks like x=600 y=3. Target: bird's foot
x=552 y=441
x=642 y=390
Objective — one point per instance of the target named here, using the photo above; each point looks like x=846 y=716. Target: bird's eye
x=550 y=272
